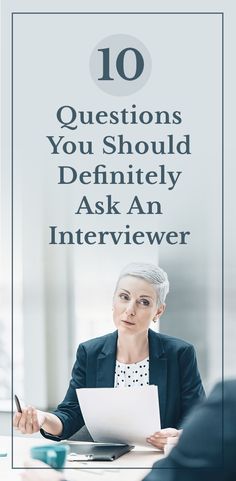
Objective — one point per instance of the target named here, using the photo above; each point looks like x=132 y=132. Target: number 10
x=120 y=64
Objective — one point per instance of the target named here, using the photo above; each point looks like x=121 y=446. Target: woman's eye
x=124 y=297
x=144 y=302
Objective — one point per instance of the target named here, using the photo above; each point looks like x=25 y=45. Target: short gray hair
x=150 y=273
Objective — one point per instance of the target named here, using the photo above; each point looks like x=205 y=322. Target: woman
x=132 y=355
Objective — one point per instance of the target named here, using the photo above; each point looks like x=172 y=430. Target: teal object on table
x=3 y=454
x=52 y=454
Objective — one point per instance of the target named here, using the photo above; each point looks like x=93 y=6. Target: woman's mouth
x=128 y=322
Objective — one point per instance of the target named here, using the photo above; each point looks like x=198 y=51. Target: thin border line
x=117 y=13
x=222 y=267
x=110 y=468
x=12 y=226
x=222 y=163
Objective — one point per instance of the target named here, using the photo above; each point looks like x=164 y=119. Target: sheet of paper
x=124 y=415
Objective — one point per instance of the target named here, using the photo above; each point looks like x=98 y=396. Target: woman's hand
x=39 y=474
x=29 y=421
x=159 y=439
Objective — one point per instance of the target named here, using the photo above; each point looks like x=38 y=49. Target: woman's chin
x=128 y=328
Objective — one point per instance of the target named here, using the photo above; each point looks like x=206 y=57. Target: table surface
x=132 y=466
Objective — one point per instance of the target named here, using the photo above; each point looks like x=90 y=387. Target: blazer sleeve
x=192 y=391
x=69 y=411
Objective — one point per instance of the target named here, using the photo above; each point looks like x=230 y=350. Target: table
x=133 y=466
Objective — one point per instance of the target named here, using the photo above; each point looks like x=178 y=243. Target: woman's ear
x=160 y=310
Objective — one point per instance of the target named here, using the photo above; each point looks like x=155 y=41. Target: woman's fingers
x=166 y=433
x=23 y=420
x=16 y=420
x=158 y=442
x=169 y=432
x=35 y=421
x=160 y=438
x=27 y=421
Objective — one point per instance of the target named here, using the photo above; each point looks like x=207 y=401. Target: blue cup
x=52 y=454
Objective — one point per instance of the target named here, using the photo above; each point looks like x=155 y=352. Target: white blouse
x=130 y=375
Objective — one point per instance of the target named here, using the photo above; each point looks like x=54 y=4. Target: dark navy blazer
x=172 y=367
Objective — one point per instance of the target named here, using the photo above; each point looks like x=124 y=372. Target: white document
x=120 y=415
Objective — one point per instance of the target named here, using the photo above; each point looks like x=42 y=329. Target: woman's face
x=134 y=305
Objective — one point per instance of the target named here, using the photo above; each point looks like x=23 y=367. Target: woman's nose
x=130 y=308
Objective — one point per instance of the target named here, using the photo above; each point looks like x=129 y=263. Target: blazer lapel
x=158 y=370
x=106 y=362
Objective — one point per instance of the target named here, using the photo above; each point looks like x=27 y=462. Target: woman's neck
x=131 y=349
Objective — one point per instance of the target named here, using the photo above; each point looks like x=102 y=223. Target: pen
x=18 y=406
